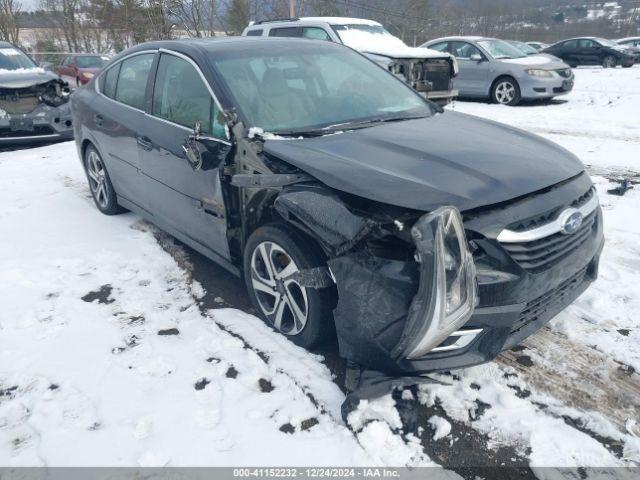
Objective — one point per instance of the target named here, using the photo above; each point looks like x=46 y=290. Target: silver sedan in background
x=489 y=67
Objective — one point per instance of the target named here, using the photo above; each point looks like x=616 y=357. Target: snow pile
x=106 y=357
x=441 y=427
x=383 y=43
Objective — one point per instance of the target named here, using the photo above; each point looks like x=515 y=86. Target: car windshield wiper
x=372 y=121
x=337 y=127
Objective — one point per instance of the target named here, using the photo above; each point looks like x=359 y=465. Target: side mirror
x=476 y=57
x=203 y=152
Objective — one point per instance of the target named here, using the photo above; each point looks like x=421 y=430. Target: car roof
x=579 y=38
x=328 y=20
x=471 y=38
x=342 y=21
x=226 y=44
x=626 y=39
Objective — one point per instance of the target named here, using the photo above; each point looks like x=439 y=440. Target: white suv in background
x=428 y=71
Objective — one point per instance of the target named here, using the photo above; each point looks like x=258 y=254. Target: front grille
x=539 y=255
x=564 y=72
x=546 y=217
x=536 y=309
x=438 y=73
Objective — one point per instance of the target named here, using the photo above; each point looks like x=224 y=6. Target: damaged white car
x=428 y=71
x=33 y=102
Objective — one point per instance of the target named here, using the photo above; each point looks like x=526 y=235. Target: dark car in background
x=33 y=102
x=427 y=239
x=591 y=51
x=78 y=69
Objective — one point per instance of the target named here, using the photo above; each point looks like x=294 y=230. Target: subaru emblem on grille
x=570 y=219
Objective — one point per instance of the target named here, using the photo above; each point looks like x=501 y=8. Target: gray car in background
x=493 y=68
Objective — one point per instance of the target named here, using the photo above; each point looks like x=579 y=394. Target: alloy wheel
x=609 y=62
x=505 y=92
x=97 y=179
x=280 y=296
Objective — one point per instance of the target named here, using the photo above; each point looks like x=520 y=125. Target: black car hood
x=26 y=78
x=449 y=159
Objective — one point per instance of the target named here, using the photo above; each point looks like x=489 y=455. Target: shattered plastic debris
x=625 y=185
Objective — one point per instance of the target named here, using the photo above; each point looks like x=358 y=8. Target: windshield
x=304 y=88
x=605 y=42
x=14 y=59
x=524 y=48
x=500 y=49
x=91 y=62
x=362 y=37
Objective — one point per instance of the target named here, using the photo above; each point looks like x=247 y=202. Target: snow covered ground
x=107 y=356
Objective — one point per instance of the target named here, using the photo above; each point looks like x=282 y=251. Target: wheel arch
x=502 y=76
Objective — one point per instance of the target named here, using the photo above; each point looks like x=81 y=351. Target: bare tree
x=10 y=11
x=196 y=16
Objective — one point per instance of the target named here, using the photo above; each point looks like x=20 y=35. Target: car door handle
x=145 y=143
x=98 y=119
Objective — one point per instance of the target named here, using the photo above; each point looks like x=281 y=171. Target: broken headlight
x=447 y=293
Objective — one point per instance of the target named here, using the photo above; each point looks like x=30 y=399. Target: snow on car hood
x=449 y=159
x=25 y=77
x=385 y=44
x=532 y=60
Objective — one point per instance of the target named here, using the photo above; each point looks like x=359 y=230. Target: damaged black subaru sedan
x=427 y=240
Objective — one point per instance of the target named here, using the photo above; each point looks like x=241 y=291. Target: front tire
x=104 y=196
x=506 y=91
x=274 y=256
x=609 y=62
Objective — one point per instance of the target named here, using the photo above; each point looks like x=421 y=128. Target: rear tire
x=272 y=255
x=104 y=196
x=505 y=91
x=609 y=62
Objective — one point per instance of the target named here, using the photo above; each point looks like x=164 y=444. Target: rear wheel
x=506 y=91
x=104 y=196
x=609 y=61
x=274 y=257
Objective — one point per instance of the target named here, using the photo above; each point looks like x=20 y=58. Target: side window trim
x=113 y=65
x=204 y=80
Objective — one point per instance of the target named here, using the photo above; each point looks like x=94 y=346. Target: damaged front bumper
x=374 y=318
x=43 y=123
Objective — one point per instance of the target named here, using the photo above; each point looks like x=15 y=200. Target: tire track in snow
x=579 y=376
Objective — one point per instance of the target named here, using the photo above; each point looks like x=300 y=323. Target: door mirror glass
x=476 y=57
x=203 y=152
x=192 y=153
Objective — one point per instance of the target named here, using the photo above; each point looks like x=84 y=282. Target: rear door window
x=110 y=80
x=285 y=32
x=254 y=33
x=315 y=33
x=585 y=43
x=132 y=80
x=181 y=96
